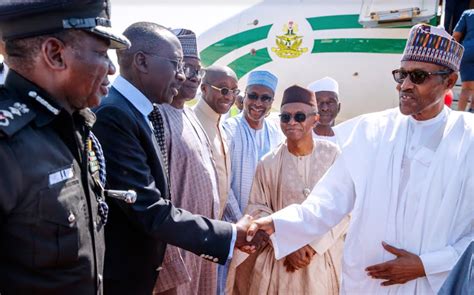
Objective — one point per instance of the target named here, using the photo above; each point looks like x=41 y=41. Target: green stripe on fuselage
x=394 y=46
x=347 y=21
x=248 y=62
x=333 y=22
x=212 y=53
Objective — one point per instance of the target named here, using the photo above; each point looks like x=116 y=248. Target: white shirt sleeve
x=329 y=202
x=438 y=264
x=232 y=242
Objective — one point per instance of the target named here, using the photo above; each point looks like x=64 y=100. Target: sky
x=195 y=15
x=198 y=16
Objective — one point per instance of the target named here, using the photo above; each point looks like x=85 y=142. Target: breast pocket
x=424 y=156
x=56 y=232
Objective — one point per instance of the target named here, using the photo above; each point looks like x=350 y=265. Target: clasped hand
x=243 y=242
x=299 y=259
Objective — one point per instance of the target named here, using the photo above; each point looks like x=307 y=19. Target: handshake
x=253 y=234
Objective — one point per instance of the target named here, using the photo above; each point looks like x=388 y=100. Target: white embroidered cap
x=324 y=84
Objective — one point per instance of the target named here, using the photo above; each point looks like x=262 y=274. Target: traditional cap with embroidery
x=187 y=38
x=324 y=84
x=264 y=78
x=297 y=93
x=29 y=18
x=433 y=45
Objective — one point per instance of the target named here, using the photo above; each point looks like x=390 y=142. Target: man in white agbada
x=407 y=177
x=327 y=97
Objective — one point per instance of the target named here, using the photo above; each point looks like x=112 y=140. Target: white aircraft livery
x=358 y=43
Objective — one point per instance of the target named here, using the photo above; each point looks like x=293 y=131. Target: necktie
x=156 y=120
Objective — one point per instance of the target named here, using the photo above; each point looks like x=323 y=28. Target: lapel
x=146 y=127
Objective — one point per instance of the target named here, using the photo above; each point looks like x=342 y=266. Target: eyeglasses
x=190 y=71
x=178 y=64
x=299 y=117
x=263 y=97
x=224 y=90
x=416 y=76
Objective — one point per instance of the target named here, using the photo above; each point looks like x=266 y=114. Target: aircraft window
x=387 y=13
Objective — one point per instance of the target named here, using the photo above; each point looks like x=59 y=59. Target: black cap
x=29 y=18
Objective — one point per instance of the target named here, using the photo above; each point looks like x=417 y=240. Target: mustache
x=406 y=92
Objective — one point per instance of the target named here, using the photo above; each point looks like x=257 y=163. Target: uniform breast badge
x=94 y=169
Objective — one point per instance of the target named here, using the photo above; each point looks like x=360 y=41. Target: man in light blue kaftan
x=250 y=136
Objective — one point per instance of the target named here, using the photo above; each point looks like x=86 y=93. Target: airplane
x=358 y=43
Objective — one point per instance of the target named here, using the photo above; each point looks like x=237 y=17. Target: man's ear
x=338 y=107
x=53 y=52
x=316 y=120
x=140 y=62
x=452 y=78
x=203 y=89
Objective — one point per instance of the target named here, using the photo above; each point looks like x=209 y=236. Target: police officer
x=52 y=212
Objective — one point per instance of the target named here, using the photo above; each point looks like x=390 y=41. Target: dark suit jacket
x=136 y=235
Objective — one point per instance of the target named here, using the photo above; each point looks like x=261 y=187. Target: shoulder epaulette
x=13 y=117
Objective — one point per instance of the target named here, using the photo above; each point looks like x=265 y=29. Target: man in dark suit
x=151 y=71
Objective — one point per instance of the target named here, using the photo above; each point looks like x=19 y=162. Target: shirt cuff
x=437 y=266
x=232 y=242
x=275 y=247
x=439 y=261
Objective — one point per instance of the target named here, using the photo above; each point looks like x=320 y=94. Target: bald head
x=146 y=37
x=219 y=88
x=217 y=72
x=154 y=62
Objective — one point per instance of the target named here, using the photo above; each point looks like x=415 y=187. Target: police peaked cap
x=29 y=18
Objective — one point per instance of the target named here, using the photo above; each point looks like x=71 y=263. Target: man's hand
x=406 y=267
x=242 y=242
x=264 y=224
x=299 y=259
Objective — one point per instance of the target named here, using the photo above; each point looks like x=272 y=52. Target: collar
x=88 y=117
x=133 y=95
x=46 y=108
x=242 y=117
x=204 y=108
x=439 y=117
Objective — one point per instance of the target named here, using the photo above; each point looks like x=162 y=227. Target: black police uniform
x=52 y=213
x=51 y=232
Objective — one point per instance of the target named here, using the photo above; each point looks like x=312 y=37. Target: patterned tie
x=156 y=120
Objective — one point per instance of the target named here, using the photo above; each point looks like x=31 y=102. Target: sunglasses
x=190 y=72
x=299 y=117
x=178 y=64
x=263 y=98
x=416 y=76
x=224 y=90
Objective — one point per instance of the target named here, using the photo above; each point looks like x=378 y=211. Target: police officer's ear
x=53 y=53
x=140 y=61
